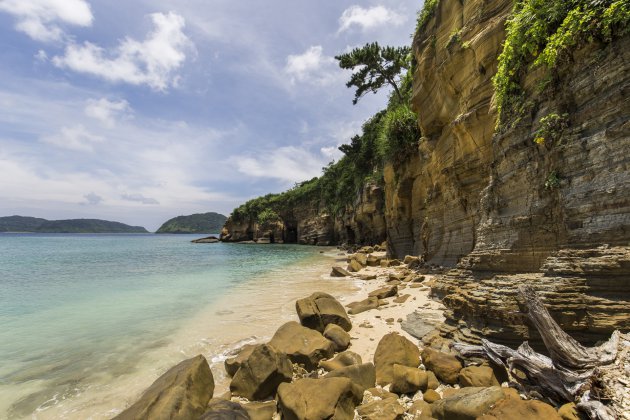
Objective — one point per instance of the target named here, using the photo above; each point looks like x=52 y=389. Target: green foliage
x=210 y=222
x=399 y=134
x=267 y=217
x=427 y=12
x=377 y=66
x=455 y=38
x=552 y=181
x=542 y=32
x=551 y=127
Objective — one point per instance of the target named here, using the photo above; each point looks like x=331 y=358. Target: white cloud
x=41 y=19
x=41 y=56
x=76 y=138
x=312 y=66
x=368 y=18
x=153 y=61
x=106 y=111
x=288 y=163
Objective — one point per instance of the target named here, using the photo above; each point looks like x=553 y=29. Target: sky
x=159 y=108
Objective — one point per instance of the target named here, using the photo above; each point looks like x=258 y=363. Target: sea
x=87 y=322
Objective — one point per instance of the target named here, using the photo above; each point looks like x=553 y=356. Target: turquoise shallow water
x=80 y=311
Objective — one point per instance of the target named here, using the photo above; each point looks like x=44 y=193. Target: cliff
x=521 y=174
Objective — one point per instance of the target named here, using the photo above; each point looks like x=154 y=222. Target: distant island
x=37 y=225
x=195 y=223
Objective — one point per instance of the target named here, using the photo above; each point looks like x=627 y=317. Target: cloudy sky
x=167 y=107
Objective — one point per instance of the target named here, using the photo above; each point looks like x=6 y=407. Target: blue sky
x=167 y=107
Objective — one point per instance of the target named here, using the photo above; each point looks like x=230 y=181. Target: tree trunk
x=597 y=379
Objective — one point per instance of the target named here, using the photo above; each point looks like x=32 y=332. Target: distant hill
x=195 y=223
x=37 y=225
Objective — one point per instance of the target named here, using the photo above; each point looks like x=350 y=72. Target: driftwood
x=597 y=379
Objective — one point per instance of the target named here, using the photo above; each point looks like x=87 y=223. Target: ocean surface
x=87 y=322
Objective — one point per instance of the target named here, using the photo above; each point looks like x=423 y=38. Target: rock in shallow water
x=262 y=372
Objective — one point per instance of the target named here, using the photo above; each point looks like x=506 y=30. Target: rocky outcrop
x=302 y=345
x=394 y=349
x=321 y=309
x=502 y=208
x=181 y=393
x=259 y=376
x=311 y=223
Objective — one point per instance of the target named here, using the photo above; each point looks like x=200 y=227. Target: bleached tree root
x=597 y=379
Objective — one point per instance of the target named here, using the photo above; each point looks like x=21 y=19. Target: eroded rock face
x=181 y=393
x=319 y=399
x=302 y=345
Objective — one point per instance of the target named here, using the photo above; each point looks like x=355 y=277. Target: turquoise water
x=80 y=311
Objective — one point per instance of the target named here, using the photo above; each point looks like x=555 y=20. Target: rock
x=387 y=409
x=207 y=240
x=418 y=324
x=362 y=306
x=366 y=250
x=316 y=399
x=381 y=393
x=374 y=261
x=320 y=309
x=234 y=363
x=384 y=292
x=407 y=380
x=339 y=272
x=181 y=393
x=367 y=276
x=445 y=366
x=409 y=259
x=432 y=381
x=354 y=266
x=393 y=283
x=401 y=299
x=420 y=409
x=260 y=375
x=339 y=337
x=363 y=375
x=360 y=257
x=515 y=408
x=478 y=376
x=220 y=409
x=394 y=349
x=568 y=412
x=261 y=410
x=347 y=358
x=467 y=404
x=431 y=396
x=302 y=345
x=390 y=263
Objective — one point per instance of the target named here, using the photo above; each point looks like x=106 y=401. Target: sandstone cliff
x=502 y=206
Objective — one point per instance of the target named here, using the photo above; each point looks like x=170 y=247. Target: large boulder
x=360 y=257
x=234 y=363
x=363 y=375
x=387 y=409
x=260 y=375
x=346 y=358
x=408 y=380
x=354 y=266
x=420 y=409
x=384 y=292
x=220 y=409
x=182 y=392
x=339 y=337
x=363 y=305
x=320 y=309
x=479 y=376
x=302 y=345
x=467 y=403
x=445 y=366
x=394 y=349
x=374 y=260
x=315 y=399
